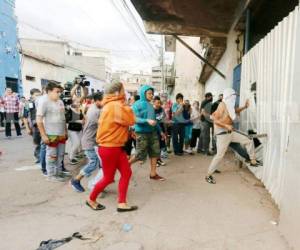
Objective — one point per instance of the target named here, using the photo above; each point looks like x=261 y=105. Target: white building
x=159 y=80
x=44 y=61
x=132 y=82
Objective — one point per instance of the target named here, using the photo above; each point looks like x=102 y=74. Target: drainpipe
x=247 y=33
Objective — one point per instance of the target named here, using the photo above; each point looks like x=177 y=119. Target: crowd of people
x=113 y=132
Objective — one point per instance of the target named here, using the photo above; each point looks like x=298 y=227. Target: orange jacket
x=114 y=122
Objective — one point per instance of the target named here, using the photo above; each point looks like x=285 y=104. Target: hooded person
x=146 y=128
x=112 y=134
x=223 y=119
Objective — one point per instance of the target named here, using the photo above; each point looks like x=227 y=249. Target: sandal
x=98 y=207
x=128 y=209
x=157 y=178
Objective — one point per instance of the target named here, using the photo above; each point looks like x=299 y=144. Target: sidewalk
x=182 y=213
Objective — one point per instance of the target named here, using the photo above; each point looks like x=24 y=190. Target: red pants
x=113 y=159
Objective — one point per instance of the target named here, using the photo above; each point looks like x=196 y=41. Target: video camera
x=81 y=81
x=66 y=95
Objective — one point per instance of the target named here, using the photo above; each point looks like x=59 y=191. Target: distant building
x=132 y=82
x=10 y=75
x=45 y=61
x=157 y=77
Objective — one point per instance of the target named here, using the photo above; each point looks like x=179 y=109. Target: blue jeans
x=43 y=157
x=93 y=162
x=54 y=158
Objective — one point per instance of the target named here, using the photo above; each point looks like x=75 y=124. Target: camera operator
x=80 y=88
x=74 y=118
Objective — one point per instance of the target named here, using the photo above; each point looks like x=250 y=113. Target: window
x=77 y=54
x=30 y=78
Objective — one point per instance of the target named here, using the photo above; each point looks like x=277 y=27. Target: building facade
x=10 y=74
x=132 y=81
x=45 y=61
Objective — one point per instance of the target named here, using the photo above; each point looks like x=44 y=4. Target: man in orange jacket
x=111 y=137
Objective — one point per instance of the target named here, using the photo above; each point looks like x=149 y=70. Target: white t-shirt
x=196 y=122
x=53 y=113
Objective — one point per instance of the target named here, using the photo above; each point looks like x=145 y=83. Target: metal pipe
x=199 y=56
x=247 y=33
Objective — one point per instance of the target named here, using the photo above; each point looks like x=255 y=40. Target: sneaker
x=160 y=162
x=44 y=173
x=189 y=151
x=77 y=186
x=66 y=172
x=55 y=179
x=8 y=137
x=74 y=162
x=210 y=179
x=63 y=175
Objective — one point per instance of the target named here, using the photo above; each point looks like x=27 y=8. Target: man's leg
x=206 y=136
x=222 y=144
x=51 y=161
x=181 y=137
x=17 y=124
x=245 y=141
x=60 y=158
x=8 y=124
x=43 y=157
x=175 y=131
x=92 y=165
x=1 y=119
x=154 y=153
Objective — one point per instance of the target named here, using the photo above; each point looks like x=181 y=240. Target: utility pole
x=163 y=81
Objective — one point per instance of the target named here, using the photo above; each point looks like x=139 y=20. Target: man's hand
x=229 y=127
x=247 y=103
x=163 y=136
x=29 y=131
x=152 y=122
x=45 y=139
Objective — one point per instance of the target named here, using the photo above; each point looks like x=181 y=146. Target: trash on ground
x=127 y=227
x=53 y=244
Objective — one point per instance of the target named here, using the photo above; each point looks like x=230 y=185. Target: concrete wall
x=188 y=68
x=216 y=84
x=9 y=55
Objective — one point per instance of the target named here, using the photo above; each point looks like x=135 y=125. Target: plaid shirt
x=11 y=104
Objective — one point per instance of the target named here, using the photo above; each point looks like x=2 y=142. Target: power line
x=64 y=39
x=132 y=27
x=137 y=24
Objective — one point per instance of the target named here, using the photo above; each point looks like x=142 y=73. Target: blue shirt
x=177 y=118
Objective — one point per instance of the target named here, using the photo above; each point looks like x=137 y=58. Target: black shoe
x=209 y=154
x=179 y=154
x=210 y=179
x=200 y=151
x=129 y=209
x=217 y=172
x=160 y=162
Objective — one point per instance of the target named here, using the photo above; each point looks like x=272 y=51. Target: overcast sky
x=98 y=23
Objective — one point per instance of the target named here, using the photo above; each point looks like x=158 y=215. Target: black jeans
x=205 y=136
x=195 y=135
x=15 y=118
x=2 y=118
x=37 y=142
x=178 y=137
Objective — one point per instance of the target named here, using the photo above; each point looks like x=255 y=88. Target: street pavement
x=182 y=213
